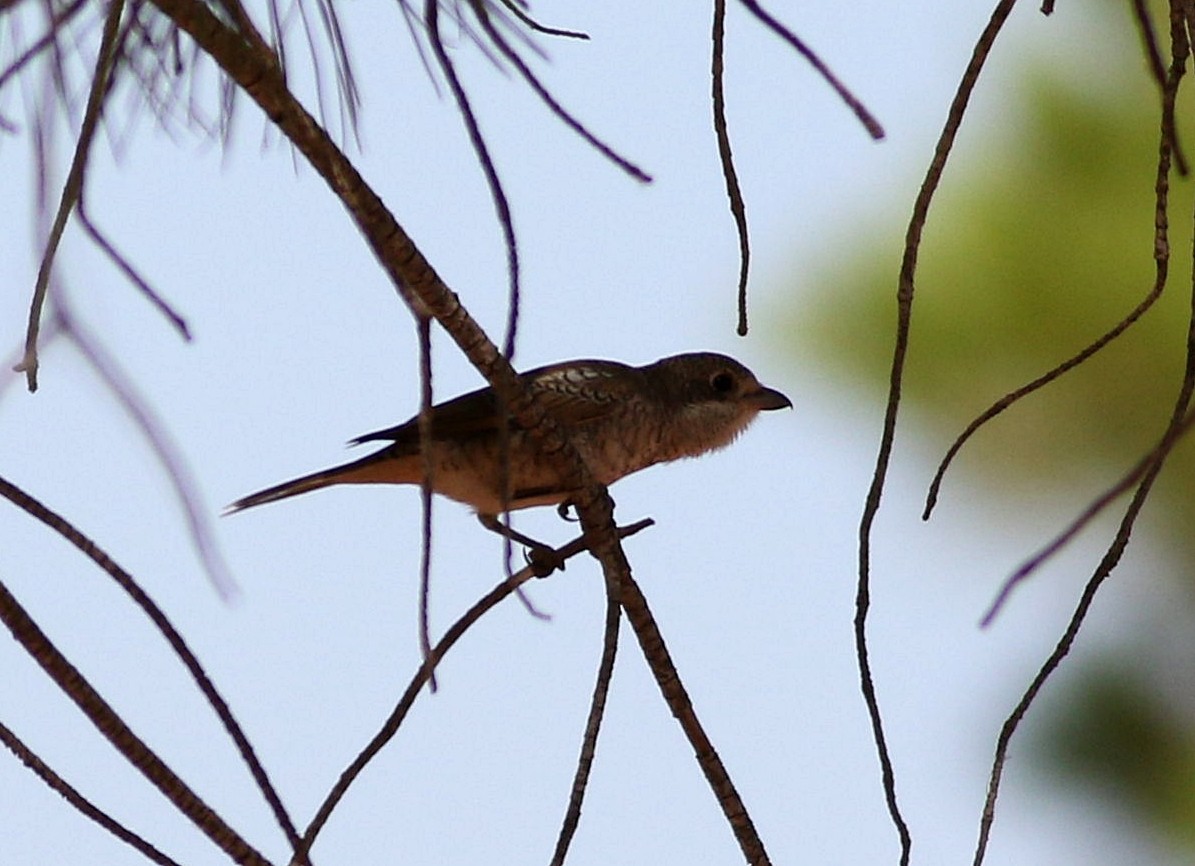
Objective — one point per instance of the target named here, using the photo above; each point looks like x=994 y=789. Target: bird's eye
x=723 y=383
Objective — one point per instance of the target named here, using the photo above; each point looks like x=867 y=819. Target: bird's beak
x=767 y=398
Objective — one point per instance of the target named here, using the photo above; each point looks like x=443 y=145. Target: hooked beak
x=767 y=398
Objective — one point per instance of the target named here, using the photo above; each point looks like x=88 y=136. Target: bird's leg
x=542 y=558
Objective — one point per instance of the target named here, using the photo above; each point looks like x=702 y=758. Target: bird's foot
x=543 y=560
x=563 y=510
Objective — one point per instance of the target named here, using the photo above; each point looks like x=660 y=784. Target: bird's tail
x=378 y=468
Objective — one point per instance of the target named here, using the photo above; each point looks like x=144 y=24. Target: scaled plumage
x=620 y=418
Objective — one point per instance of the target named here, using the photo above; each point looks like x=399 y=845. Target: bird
x=620 y=418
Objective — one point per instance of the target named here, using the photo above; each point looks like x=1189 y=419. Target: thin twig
x=161 y=304
x=738 y=207
x=1161 y=252
x=426 y=486
x=84 y=806
x=1093 y=510
x=161 y=622
x=1157 y=67
x=593 y=724
x=1177 y=424
x=873 y=127
x=109 y=50
x=554 y=106
x=904 y=300
x=68 y=678
x=1161 y=260
x=454 y=633
x=518 y=12
x=481 y=150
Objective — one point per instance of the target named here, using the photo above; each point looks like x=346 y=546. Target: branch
x=593 y=724
x=134 y=755
x=424 y=674
x=108 y=723
x=658 y=658
x=904 y=301
x=88 y=809
x=105 y=62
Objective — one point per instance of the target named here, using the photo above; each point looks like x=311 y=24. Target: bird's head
x=714 y=398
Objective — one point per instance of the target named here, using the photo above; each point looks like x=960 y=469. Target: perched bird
x=620 y=418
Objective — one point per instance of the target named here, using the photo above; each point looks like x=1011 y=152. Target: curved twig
x=454 y=633
x=1176 y=426
x=518 y=12
x=593 y=724
x=106 y=58
x=1161 y=246
x=548 y=99
x=904 y=299
x=738 y=208
x=497 y=194
x=873 y=127
x=84 y=806
x=125 y=581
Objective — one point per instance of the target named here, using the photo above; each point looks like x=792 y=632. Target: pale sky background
x=301 y=344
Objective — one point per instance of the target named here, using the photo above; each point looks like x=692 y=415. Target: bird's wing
x=575 y=392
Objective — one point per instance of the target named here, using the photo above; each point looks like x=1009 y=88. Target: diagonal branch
x=654 y=650
x=423 y=675
x=108 y=723
x=125 y=581
x=109 y=50
x=593 y=724
x=425 y=293
x=88 y=809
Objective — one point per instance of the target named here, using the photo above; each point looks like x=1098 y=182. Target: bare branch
x=67 y=677
x=134 y=750
x=904 y=300
x=738 y=208
x=1177 y=424
x=105 y=62
x=423 y=675
x=84 y=806
x=853 y=103
x=593 y=724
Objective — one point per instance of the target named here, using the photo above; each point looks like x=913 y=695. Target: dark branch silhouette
x=84 y=806
x=423 y=675
x=106 y=720
x=1152 y=464
x=593 y=724
x=904 y=300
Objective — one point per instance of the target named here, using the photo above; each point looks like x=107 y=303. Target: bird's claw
x=543 y=560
